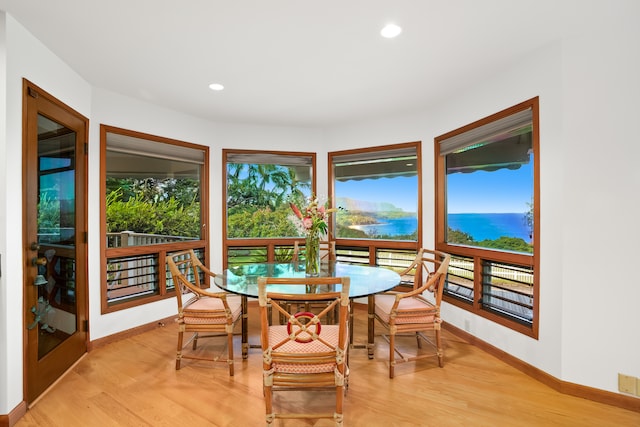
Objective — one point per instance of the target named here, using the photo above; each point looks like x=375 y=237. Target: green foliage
x=48 y=212
x=159 y=216
x=503 y=243
x=261 y=223
x=507 y=244
x=258 y=199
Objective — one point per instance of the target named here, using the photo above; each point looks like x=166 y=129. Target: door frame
x=38 y=377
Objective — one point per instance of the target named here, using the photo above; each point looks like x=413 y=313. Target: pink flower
x=307 y=222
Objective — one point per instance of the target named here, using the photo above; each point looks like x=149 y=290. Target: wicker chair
x=304 y=354
x=410 y=312
x=212 y=314
x=327 y=250
x=327 y=253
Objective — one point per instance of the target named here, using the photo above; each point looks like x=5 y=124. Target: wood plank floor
x=133 y=382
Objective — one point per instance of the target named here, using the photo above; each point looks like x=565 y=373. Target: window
x=259 y=188
x=377 y=191
x=154 y=203
x=487 y=177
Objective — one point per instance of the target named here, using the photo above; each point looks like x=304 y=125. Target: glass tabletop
x=365 y=280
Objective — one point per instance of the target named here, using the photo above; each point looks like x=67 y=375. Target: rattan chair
x=327 y=250
x=327 y=253
x=403 y=313
x=304 y=354
x=205 y=314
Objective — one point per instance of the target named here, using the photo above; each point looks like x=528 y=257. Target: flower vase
x=312 y=255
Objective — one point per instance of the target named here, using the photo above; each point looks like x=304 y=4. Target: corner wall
x=589 y=89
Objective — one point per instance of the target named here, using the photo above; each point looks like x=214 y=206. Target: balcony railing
x=135 y=266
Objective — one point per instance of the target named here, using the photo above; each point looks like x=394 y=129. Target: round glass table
x=366 y=281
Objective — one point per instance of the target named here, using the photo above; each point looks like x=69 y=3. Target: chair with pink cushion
x=308 y=352
x=414 y=312
x=206 y=314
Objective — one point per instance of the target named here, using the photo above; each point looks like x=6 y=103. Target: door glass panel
x=55 y=310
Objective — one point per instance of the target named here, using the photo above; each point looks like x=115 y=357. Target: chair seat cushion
x=328 y=333
x=200 y=311
x=420 y=311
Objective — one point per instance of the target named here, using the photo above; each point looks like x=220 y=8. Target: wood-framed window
x=258 y=187
x=378 y=191
x=487 y=216
x=155 y=201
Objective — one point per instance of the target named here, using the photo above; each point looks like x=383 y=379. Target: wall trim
x=564 y=387
x=12 y=417
x=118 y=336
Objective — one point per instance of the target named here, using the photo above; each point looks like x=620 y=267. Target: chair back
x=305 y=342
x=429 y=271
x=189 y=276
x=327 y=250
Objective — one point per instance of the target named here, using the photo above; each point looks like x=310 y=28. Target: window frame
x=372 y=248
x=158 y=251
x=270 y=244
x=481 y=255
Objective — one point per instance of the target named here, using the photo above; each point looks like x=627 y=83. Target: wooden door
x=55 y=264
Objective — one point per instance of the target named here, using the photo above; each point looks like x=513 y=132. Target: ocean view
x=490 y=226
x=484 y=226
x=393 y=227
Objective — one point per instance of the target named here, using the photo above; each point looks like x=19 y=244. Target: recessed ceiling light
x=390 y=31
x=216 y=86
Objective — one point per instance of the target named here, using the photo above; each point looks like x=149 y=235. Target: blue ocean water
x=490 y=226
x=393 y=227
x=481 y=226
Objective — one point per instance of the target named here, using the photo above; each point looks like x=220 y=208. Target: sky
x=500 y=191
x=400 y=191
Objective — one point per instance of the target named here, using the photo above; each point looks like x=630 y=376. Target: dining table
x=365 y=281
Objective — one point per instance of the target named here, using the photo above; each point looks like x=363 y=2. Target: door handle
x=39 y=260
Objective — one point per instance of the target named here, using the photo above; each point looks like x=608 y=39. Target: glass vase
x=312 y=255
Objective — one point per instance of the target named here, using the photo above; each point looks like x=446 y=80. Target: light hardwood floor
x=133 y=382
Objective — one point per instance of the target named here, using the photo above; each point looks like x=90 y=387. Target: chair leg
x=230 y=354
x=179 y=351
x=268 y=404
x=370 y=326
x=195 y=340
x=392 y=354
x=337 y=416
x=439 y=350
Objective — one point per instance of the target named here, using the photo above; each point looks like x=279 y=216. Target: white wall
x=590 y=184
x=116 y=110
x=539 y=74
x=26 y=58
x=4 y=291
x=600 y=315
x=588 y=91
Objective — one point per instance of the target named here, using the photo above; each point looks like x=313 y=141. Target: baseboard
x=577 y=390
x=100 y=342
x=12 y=417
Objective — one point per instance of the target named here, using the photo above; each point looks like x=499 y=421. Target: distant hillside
x=353 y=205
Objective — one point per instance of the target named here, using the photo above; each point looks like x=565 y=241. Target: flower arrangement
x=312 y=222
x=313 y=218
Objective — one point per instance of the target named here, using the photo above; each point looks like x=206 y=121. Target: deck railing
x=136 y=275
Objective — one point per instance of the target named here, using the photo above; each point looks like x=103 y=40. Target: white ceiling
x=295 y=62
